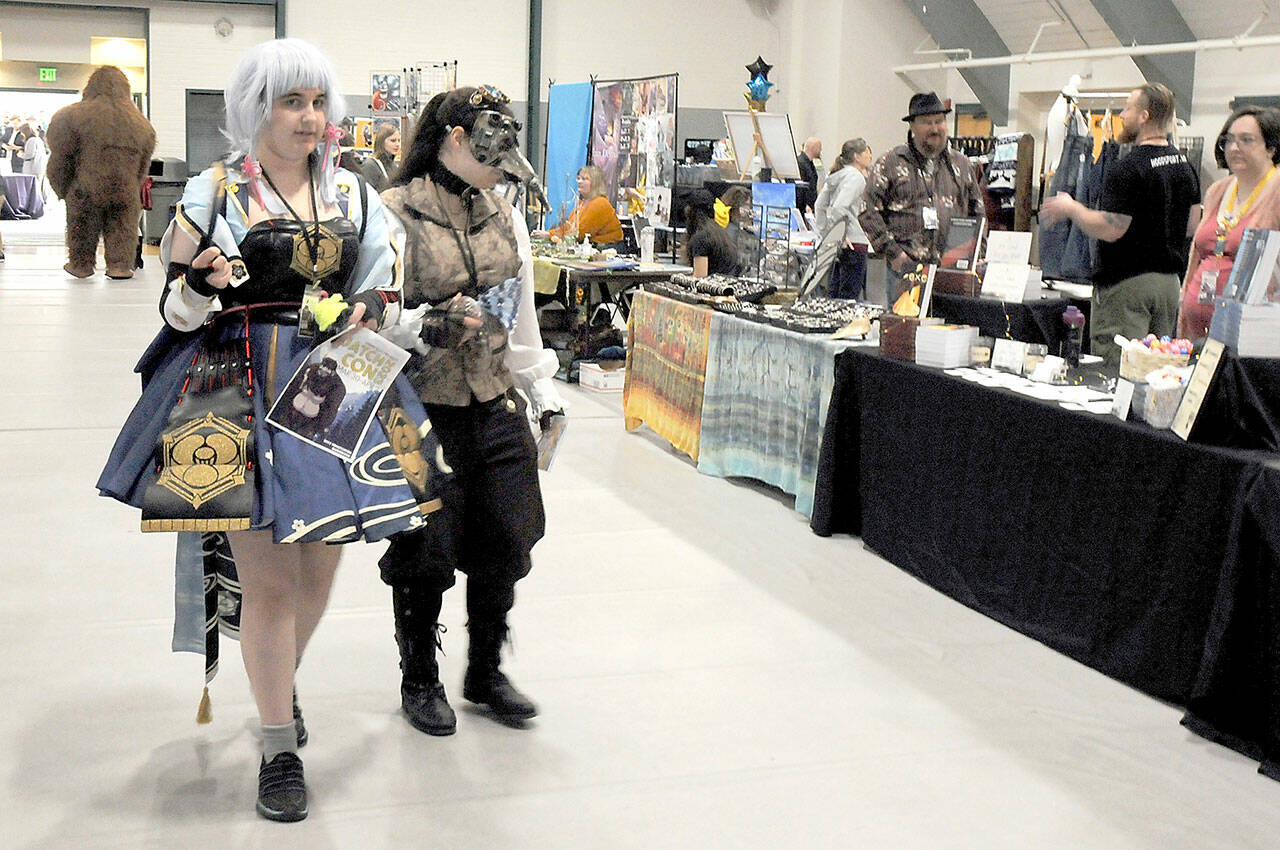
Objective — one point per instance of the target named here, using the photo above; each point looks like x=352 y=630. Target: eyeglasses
x=1245 y=140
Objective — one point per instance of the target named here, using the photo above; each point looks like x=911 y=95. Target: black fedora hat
x=925 y=103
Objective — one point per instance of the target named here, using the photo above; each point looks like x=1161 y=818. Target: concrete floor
x=710 y=673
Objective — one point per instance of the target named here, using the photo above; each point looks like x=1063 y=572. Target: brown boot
x=78 y=271
x=119 y=274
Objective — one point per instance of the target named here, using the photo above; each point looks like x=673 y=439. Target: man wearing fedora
x=915 y=190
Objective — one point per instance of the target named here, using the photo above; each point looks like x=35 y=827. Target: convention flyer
x=334 y=395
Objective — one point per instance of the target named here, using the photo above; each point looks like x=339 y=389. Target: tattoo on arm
x=1117 y=220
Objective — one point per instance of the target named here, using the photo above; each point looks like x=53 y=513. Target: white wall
x=35 y=34
x=489 y=39
x=842 y=52
x=709 y=44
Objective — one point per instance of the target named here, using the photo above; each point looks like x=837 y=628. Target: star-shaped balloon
x=759 y=87
x=759 y=68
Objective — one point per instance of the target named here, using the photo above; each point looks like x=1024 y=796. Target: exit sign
x=48 y=75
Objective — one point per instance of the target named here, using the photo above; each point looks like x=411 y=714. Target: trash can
x=170 y=180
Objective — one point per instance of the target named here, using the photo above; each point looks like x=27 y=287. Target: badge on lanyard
x=307 y=324
x=930 y=218
x=1208 y=285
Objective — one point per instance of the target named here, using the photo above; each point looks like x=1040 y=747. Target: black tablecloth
x=1149 y=559
x=21 y=197
x=1033 y=321
x=1242 y=408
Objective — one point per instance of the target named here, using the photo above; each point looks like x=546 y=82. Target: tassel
x=250 y=168
x=204 y=714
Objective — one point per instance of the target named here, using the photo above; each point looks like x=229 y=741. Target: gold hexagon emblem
x=328 y=248
x=406 y=445
x=203 y=459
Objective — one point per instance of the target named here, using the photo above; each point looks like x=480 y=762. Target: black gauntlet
x=197 y=280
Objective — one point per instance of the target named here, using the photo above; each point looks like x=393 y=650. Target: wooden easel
x=757 y=144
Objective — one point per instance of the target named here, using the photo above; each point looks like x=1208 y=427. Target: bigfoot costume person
x=101 y=152
x=315 y=400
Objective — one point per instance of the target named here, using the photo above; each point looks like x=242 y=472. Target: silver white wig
x=266 y=72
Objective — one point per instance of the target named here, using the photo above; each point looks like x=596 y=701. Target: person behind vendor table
x=593 y=218
x=708 y=248
x=380 y=165
x=462 y=239
x=282 y=189
x=1249 y=147
x=1149 y=209
x=808 y=159
x=836 y=213
x=913 y=192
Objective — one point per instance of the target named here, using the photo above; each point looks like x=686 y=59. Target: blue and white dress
x=303 y=494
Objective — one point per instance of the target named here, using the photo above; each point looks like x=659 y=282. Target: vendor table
x=582 y=286
x=1151 y=560
x=21 y=197
x=1031 y=321
x=739 y=397
x=765 y=404
x=667 y=369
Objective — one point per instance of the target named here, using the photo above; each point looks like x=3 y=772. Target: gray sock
x=279 y=739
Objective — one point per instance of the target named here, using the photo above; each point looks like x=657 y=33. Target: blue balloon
x=759 y=87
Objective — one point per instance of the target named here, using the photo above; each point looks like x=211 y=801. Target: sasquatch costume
x=101 y=152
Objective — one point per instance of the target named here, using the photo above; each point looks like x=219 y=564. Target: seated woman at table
x=593 y=218
x=1249 y=146
x=708 y=247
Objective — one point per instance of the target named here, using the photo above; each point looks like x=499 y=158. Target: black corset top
x=282 y=260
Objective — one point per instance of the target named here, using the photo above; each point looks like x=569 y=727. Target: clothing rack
x=972 y=146
x=981 y=147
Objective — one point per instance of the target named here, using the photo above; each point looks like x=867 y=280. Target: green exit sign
x=48 y=75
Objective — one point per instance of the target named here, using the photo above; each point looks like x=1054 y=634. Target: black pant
x=492 y=513
x=848 y=274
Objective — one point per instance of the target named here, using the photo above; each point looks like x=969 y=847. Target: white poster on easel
x=779 y=146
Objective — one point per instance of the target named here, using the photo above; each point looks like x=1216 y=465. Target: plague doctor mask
x=494 y=142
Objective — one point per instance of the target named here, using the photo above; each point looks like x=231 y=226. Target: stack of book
x=945 y=346
x=1253 y=330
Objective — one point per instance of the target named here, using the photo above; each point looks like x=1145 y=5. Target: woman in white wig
x=249 y=238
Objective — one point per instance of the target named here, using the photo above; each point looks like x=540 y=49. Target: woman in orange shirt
x=593 y=218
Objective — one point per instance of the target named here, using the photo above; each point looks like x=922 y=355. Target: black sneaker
x=299 y=726
x=282 y=790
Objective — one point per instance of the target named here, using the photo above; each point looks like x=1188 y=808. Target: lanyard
x=310 y=237
x=1228 y=220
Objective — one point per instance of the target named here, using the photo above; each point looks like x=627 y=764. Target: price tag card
x=1008 y=355
x=1007 y=246
x=1124 y=398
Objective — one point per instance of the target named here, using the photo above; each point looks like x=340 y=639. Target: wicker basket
x=1135 y=363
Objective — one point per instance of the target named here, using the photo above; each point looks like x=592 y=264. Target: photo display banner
x=633 y=139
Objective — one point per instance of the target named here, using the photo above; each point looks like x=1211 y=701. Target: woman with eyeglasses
x=1249 y=147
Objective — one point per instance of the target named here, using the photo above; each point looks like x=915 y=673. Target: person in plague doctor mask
x=468 y=273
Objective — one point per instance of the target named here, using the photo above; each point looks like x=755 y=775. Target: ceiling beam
x=1155 y=22
x=961 y=25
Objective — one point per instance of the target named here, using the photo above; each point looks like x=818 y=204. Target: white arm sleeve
x=532 y=366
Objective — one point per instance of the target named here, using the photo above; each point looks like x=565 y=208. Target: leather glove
x=446 y=326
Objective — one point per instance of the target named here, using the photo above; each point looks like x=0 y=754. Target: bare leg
x=285 y=590
x=319 y=563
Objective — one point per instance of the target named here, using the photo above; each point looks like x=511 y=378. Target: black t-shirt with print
x=1155 y=186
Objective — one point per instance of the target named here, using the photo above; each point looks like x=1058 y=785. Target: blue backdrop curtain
x=568 y=132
